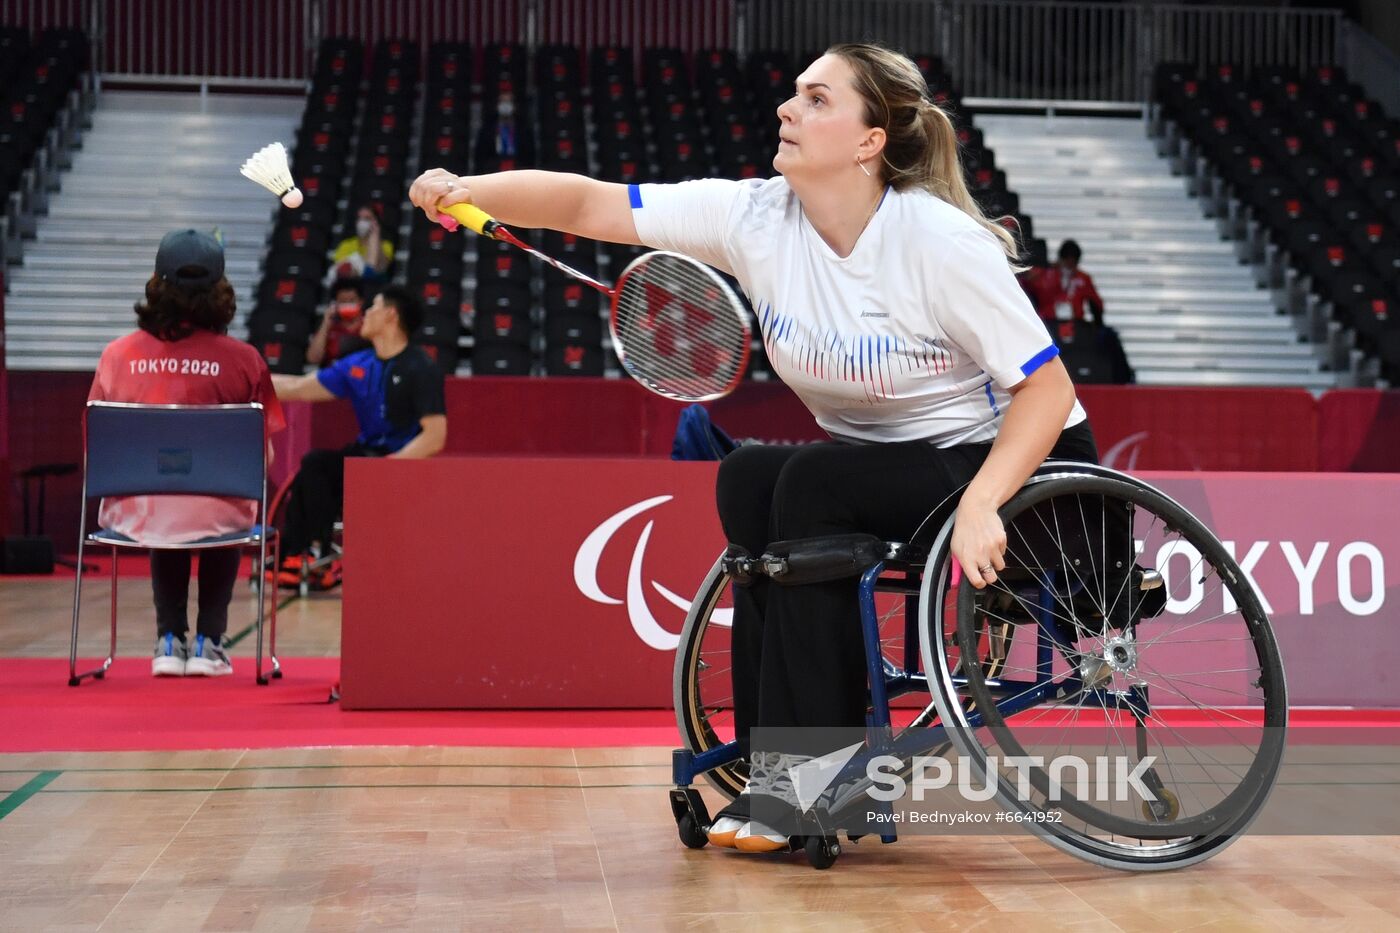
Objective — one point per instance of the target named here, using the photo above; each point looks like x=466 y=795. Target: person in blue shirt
x=397 y=394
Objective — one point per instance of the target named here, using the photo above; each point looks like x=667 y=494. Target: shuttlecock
x=268 y=167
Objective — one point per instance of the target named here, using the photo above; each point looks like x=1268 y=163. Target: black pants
x=798 y=655
x=317 y=497
x=170 y=582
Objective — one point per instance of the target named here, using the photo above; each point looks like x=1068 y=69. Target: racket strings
x=679 y=328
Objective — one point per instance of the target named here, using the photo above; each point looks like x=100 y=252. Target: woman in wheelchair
x=988 y=404
x=887 y=302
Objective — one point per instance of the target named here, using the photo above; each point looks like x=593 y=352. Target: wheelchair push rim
x=1107 y=666
x=702 y=689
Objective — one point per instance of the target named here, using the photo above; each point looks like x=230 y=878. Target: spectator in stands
x=1064 y=292
x=367 y=254
x=339 y=333
x=1067 y=301
x=397 y=394
x=505 y=125
x=181 y=354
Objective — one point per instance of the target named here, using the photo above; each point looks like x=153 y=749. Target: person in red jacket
x=1064 y=292
x=181 y=354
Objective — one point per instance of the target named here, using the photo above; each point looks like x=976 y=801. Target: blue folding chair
x=205 y=450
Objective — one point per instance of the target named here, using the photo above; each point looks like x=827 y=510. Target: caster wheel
x=1164 y=809
x=100 y=675
x=263 y=681
x=822 y=851
x=73 y=681
x=692 y=835
x=277 y=674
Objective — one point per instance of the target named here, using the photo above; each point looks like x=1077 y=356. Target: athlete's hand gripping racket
x=679 y=328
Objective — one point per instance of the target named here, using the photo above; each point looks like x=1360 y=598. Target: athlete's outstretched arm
x=574 y=204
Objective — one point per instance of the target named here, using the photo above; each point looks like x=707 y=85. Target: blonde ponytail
x=942 y=176
x=921 y=145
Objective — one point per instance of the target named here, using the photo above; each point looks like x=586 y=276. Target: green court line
x=31 y=787
x=230 y=642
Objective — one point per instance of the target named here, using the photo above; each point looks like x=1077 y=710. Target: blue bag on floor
x=698 y=438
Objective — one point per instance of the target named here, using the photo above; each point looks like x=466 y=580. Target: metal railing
x=1244 y=36
x=262 y=41
x=635 y=24
x=1055 y=50
x=1081 y=51
x=47 y=14
x=1085 y=51
x=425 y=21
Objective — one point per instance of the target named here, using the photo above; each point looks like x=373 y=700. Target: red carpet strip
x=132 y=711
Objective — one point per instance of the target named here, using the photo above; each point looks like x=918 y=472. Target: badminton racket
x=678 y=327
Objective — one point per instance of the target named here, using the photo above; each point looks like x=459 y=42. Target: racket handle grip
x=472 y=217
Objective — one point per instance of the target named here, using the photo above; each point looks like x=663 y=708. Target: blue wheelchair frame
x=888 y=681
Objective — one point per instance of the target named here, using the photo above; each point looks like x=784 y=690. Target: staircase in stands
x=1187 y=311
x=152 y=162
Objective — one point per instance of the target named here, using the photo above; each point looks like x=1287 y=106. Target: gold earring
x=862 y=166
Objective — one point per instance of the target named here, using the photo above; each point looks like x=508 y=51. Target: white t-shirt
x=916 y=335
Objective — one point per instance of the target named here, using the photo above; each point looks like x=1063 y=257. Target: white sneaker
x=170 y=658
x=755 y=837
x=729 y=821
x=723 y=830
x=770 y=775
x=208 y=659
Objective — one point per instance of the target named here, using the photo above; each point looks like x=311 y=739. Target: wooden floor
x=539 y=839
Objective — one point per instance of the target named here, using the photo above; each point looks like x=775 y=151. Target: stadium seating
x=299 y=246
x=1302 y=168
x=38 y=78
x=662 y=115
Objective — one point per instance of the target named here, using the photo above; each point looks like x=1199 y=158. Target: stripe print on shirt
x=872 y=360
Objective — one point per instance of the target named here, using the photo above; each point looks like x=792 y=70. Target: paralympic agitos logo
x=652 y=633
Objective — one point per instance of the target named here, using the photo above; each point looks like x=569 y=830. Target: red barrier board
x=1359 y=431
x=530 y=583
x=1137 y=427
x=507 y=582
x=1185 y=428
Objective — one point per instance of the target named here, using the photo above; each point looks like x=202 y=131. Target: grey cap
x=190 y=258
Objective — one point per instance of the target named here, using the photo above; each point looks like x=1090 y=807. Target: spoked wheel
x=703 y=686
x=1138 y=718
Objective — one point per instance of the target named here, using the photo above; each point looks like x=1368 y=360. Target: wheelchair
x=1120 y=627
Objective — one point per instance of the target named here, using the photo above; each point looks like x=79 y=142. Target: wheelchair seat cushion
x=821 y=559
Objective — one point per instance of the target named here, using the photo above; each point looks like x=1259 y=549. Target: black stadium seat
x=501 y=359
x=659 y=114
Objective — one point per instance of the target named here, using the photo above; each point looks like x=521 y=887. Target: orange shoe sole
x=758 y=844
x=722 y=840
